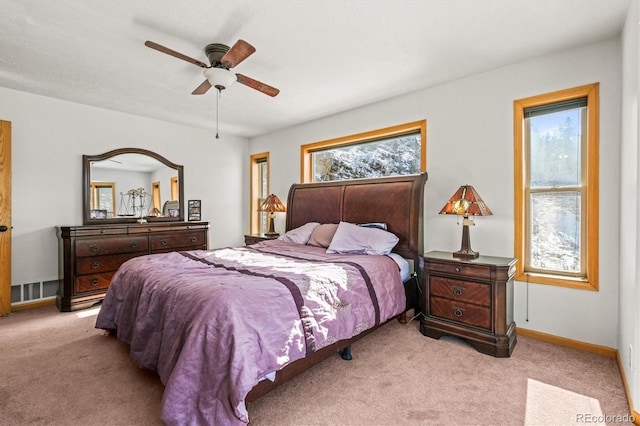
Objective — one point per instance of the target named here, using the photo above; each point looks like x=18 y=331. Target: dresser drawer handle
x=164 y=242
x=194 y=239
x=134 y=245
x=95 y=282
x=457 y=290
x=458 y=312
x=95 y=265
x=457 y=269
x=94 y=247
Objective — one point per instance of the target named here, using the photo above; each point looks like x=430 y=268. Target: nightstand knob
x=457 y=269
x=458 y=312
x=458 y=290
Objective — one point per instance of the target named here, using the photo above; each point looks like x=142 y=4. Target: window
x=259 y=191
x=103 y=197
x=175 y=191
x=155 y=196
x=398 y=150
x=556 y=188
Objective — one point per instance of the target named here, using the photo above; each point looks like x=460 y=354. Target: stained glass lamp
x=466 y=202
x=271 y=204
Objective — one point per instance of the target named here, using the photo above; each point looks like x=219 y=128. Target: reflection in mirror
x=131 y=184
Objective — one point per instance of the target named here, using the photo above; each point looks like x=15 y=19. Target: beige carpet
x=57 y=369
x=552 y=405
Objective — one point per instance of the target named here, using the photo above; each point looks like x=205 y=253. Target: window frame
x=590 y=205
x=155 y=196
x=175 y=191
x=254 y=190
x=95 y=198
x=306 y=151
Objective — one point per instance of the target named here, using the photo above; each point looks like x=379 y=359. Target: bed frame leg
x=346 y=353
x=402 y=318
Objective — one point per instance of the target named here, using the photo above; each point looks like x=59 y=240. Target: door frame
x=5 y=217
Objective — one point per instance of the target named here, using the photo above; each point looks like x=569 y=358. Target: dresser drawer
x=102 y=246
x=97 y=232
x=186 y=241
x=466 y=313
x=98 y=264
x=476 y=271
x=93 y=282
x=465 y=291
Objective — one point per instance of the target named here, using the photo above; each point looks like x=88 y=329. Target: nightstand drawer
x=475 y=271
x=466 y=313
x=465 y=291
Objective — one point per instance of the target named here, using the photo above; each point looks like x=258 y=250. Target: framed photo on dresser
x=194 y=212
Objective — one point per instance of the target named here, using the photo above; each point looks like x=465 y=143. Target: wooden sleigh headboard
x=397 y=201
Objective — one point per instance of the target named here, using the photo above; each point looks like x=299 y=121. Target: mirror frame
x=86 y=186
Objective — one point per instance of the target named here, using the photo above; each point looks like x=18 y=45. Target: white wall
x=629 y=315
x=470 y=141
x=49 y=137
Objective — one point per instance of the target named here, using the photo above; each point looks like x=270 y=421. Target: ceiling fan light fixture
x=220 y=78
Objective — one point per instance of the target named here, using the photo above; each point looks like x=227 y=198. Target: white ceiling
x=324 y=56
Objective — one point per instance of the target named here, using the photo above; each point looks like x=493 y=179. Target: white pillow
x=350 y=238
x=299 y=235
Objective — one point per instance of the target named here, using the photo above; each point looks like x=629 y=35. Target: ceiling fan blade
x=238 y=53
x=255 y=84
x=173 y=53
x=202 y=89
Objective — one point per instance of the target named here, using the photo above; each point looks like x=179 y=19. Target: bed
x=223 y=327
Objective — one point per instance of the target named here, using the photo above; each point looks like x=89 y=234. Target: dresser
x=471 y=299
x=91 y=254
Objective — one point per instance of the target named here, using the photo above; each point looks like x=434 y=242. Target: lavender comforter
x=213 y=323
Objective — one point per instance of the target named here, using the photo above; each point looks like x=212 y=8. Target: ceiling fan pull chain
x=217 y=109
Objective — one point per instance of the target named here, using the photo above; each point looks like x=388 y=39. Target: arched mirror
x=129 y=185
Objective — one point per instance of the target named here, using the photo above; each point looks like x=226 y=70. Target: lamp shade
x=220 y=78
x=272 y=204
x=466 y=202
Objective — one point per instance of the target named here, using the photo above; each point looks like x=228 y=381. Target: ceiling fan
x=221 y=59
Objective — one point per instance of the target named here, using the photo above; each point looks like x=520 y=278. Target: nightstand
x=256 y=238
x=470 y=299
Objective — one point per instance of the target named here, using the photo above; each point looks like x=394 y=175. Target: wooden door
x=5 y=217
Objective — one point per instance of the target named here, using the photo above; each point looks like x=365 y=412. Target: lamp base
x=271 y=232
x=466 y=254
x=465 y=251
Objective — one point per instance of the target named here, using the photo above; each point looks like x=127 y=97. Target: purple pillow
x=350 y=238
x=299 y=235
